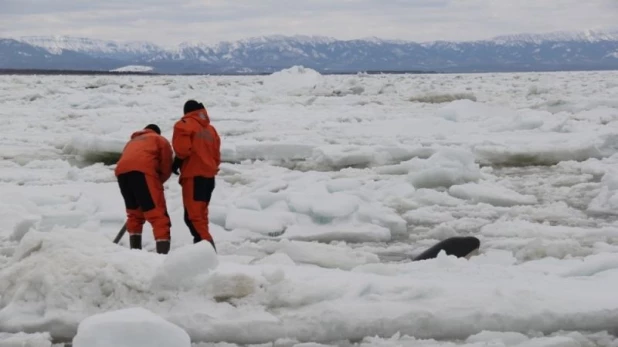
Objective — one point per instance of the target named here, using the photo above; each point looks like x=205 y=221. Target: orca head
x=459 y=246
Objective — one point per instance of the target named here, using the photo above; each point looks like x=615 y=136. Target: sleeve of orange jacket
x=166 y=159
x=218 y=148
x=181 y=139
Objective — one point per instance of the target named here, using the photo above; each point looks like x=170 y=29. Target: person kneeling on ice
x=144 y=166
x=197 y=148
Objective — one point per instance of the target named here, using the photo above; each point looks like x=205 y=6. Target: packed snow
x=330 y=186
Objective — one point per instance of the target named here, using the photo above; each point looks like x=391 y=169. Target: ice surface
x=492 y=194
x=94 y=149
x=330 y=185
x=184 y=263
x=132 y=327
x=294 y=81
x=296 y=298
x=444 y=169
x=606 y=202
x=25 y=340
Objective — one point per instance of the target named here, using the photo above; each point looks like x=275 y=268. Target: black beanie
x=192 y=105
x=153 y=127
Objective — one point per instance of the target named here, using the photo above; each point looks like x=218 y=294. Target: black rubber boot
x=135 y=241
x=163 y=247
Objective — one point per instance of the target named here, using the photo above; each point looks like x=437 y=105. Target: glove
x=176 y=165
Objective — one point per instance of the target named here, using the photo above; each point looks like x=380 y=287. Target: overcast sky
x=170 y=22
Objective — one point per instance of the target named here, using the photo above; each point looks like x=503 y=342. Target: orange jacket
x=147 y=152
x=197 y=142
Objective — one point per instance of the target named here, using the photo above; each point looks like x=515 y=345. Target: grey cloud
x=171 y=22
x=53 y=7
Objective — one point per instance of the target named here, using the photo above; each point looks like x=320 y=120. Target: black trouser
x=144 y=200
x=135 y=192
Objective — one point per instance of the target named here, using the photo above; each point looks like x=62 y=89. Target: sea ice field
x=329 y=186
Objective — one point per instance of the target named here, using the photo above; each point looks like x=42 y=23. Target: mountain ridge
x=263 y=54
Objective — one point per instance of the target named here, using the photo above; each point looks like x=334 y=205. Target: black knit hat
x=153 y=127
x=192 y=105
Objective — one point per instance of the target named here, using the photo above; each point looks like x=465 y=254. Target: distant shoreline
x=70 y=72
x=138 y=73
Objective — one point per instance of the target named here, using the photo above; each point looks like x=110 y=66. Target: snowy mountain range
x=589 y=50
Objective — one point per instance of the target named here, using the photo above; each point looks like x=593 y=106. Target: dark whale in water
x=459 y=246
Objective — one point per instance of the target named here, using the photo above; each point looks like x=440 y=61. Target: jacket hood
x=200 y=115
x=142 y=132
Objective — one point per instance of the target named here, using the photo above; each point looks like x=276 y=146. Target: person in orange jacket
x=144 y=166
x=197 y=148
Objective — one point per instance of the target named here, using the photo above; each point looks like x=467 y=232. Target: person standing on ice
x=197 y=148
x=144 y=166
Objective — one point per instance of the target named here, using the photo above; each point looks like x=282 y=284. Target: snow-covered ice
x=132 y=327
x=25 y=340
x=330 y=186
x=133 y=68
x=184 y=263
